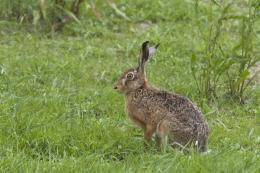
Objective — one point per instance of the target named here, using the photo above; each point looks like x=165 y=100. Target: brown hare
x=161 y=112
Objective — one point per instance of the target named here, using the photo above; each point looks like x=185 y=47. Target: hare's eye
x=130 y=76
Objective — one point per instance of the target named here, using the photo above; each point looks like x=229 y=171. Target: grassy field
x=59 y=113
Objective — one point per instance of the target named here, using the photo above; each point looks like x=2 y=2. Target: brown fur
x=161 y=112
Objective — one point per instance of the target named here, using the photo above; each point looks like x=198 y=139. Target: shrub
x=49 y=14
x=224 y=64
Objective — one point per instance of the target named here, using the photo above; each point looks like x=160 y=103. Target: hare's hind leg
x=203 y=138
x=202 y=145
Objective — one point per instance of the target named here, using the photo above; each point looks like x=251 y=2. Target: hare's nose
x=115 y=87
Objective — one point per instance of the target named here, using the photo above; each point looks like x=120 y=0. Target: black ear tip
x=145 y=44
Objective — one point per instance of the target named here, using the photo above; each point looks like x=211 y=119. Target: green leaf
x=244 y=74
x=193 y=59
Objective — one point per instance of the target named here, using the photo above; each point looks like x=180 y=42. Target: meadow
x=58 y=109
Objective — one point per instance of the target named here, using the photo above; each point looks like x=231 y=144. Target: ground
x=59 y=112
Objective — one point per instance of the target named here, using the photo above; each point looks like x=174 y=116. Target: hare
x=161 y=112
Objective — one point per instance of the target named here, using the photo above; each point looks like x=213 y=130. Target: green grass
x=59 y=113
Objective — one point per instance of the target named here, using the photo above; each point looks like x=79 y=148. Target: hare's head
x=134 y=78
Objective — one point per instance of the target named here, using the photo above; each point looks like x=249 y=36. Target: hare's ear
x=145 y=53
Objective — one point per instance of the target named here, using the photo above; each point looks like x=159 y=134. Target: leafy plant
x=219 y=60
x=208 y=67
x=51 y=15
x=243 y=55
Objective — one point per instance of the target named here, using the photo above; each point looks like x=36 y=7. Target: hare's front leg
x=158 y=140
x=148 y=132
x=161 y=133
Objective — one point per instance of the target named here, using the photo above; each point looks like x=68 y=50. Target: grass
x=59 y=113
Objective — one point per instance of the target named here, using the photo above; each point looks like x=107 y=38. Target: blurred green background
x=59 y=59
